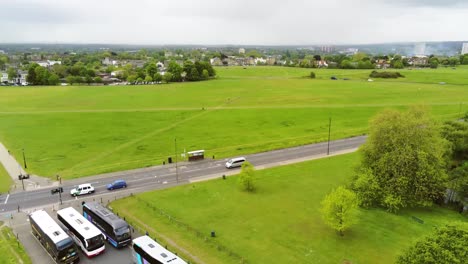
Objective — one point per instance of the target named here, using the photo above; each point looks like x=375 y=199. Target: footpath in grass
x=280 y=222
x=11 y=251
x=5 y=180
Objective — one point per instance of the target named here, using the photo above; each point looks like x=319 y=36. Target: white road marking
x=6 y=200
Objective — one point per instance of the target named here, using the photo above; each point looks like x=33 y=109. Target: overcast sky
x=241 y=22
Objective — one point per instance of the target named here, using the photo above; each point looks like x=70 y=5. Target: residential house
x=241 y=51
x=21 y=78
x=382 y=64
x=3 y=77
x=270 y=60
x=116 y=73
x=260 y=61
x=418 y=60
x=107 y=61
x=136 y=63
x=216 y=62
x=321 y=64
x=44 y=64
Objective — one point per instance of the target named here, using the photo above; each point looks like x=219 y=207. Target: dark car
x=117 y=185
x=333 y=78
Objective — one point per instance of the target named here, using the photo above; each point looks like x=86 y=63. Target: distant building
x=2 y=52
x=241 y=51
x=270 y=60
x=418 y=60
x=21 y=78
x=327 y=49
x=464 y=49
x=420 y=49
x=106 y=61
x=48 y=63
x=216 y=61
x=3 y=77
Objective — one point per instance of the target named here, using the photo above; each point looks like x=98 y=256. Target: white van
x=236 y=162
x=82 y=189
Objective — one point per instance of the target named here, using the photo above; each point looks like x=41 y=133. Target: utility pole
x=329 y=132
x=175 y=149
x=24 y=160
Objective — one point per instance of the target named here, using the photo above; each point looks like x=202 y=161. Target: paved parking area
x=20 y=225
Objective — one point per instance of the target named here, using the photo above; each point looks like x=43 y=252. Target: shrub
x=312 y=75
x=386 y=75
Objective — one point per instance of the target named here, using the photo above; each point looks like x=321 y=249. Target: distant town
x=28 y=64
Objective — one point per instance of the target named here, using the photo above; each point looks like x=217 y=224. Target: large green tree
x=11 y=73
x=446 y=245
x=340 y=209
x=404 y=159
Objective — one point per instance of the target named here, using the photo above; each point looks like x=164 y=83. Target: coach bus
x=85 y=234
x=146 y=251
x=55 y=241
x=116 y=230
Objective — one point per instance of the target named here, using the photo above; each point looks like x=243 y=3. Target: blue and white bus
x=116 y=230
x=146 y=251
x=51 y=236
x=86 y=235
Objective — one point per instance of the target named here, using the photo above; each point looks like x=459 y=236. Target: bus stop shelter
x=196 y=155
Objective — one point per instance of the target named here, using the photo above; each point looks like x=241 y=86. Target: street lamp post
x=24 y=160
x=329 y=132
x=175 y=149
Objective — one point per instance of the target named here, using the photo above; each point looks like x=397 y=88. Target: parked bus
x=116 y=230
x=55 y=241
x=146 y=251
x=85 y=234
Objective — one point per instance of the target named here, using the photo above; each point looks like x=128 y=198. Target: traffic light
x=58 y=190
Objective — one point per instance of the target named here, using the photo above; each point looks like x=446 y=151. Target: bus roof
x=157 y=251
x=106 y=215
x=79 y=223
x=49 y=226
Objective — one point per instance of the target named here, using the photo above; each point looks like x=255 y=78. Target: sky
x=236 y=22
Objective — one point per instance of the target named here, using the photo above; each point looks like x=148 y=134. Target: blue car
x=117 y=185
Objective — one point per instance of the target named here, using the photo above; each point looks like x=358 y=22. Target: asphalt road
x=138 y=181
x=161 y=176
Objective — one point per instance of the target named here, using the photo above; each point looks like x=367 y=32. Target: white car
x=82 y=189
x=236 y=162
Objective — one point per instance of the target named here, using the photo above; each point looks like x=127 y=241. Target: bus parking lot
x=21 y=226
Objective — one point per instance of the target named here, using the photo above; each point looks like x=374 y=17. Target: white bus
x=146 y=251
x=55 y=241
x=85 y=234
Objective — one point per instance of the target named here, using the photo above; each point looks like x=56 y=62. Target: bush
x=312 y=75
x=386 y=75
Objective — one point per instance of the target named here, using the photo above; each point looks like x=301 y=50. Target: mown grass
x=280 y=222
x=77 y=131
x=5 y=180
x=11 y=251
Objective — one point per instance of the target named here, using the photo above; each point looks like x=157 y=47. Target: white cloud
x=230 y=21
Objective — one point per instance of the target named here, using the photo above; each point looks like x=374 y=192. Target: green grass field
x=5 y=180
x=11 y=252
x=280 y=223
x=77 y=131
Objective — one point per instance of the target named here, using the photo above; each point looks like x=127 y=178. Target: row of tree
x=38 y=75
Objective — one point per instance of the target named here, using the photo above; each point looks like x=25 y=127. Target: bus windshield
x=94 y=243
x=67 y=252
x=122 y=233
